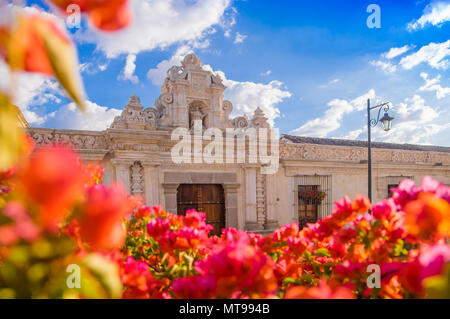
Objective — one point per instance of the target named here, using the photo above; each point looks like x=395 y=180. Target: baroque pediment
x=189 y=93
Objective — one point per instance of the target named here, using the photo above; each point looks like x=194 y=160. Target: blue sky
x=310 y=65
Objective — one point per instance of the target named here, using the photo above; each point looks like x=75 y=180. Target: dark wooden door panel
x=206 y=198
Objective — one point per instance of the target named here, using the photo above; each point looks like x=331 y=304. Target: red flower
x=427 y=216
x=430 y=263
x=101 y=224
x=361 y=204
x=156 y=227
x=139 y=281
x=107 y=15
x=239 y=267
x=331 y=290
x=195 y=287
x=52 y=180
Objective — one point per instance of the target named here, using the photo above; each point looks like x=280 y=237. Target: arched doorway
x=207 y=198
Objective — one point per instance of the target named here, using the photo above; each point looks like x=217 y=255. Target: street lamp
x=386 y=122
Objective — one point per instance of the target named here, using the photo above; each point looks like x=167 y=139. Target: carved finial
x=259 y=113
x=191 y=60
x=134 y=100
x=259 y=118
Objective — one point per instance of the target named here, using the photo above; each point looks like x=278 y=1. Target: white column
x=271 y=200
x=170 y=198
x=251 y=222
x=151 y=184
x=122 y=168
x=231 y=205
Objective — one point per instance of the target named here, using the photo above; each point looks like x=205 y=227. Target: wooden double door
x=207 y=198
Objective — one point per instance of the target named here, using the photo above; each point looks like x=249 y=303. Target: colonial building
x=137 y=150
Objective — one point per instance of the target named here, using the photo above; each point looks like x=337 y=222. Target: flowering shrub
x=54 y=213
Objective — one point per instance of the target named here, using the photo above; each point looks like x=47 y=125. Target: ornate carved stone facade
x=136 y=151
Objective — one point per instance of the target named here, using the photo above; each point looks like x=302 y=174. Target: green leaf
x=322 y=252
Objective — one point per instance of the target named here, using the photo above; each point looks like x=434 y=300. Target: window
x=309 y=199
x=389 y=190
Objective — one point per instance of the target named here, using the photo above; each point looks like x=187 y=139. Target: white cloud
x=436 y=14
x=161 y=23
x=353 y=135
x=395 y=52
x=95 y=118
x=247 y=96
x=158 y=74
x=268 y=72
x=332 y=119
x=240 y=38
x=414 y=123
x=128 y=71
x=434 y=54
x=334 y=81
x=434 y=85
x=386 y=67
x=92 y=68
x=30 y=90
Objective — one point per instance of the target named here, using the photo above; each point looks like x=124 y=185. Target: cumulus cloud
x=395 y=52
x=95 y=118
x=436 y=14
x=161 y=23
x=158 y=74
x=434 y=54
x=127 y=73
x=332 y=119
x=30 y=91
x=240 y=38
x=92 y=68
x=386 y=67
x=415 y=123
x=434 y=85
x=268 y=72
x=247 y=96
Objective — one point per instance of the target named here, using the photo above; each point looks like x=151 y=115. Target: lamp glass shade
x=386 y=121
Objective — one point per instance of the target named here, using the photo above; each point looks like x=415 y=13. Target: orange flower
x=427 y=216
x=107 y=15
x=101 y=225
x=361 y=204
x=325 y=290
x=52 y=180
x=25 y=48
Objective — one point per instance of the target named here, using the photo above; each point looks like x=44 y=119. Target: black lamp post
x=386 y=121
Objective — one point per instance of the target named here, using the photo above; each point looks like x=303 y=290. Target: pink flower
x=195 y=287
x=286 y=231
x=430 y=263
x=156 y=227
x=384 y=208
x=406 y=191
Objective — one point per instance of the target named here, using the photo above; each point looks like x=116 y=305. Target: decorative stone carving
x=259 y=119
x=191 y=61
x=77 y=140
x=227 y=106
x=240 y=122
x=261 y=198
x=177 y=73
x=163 y=102
x=137 y=179
x=133 y=116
